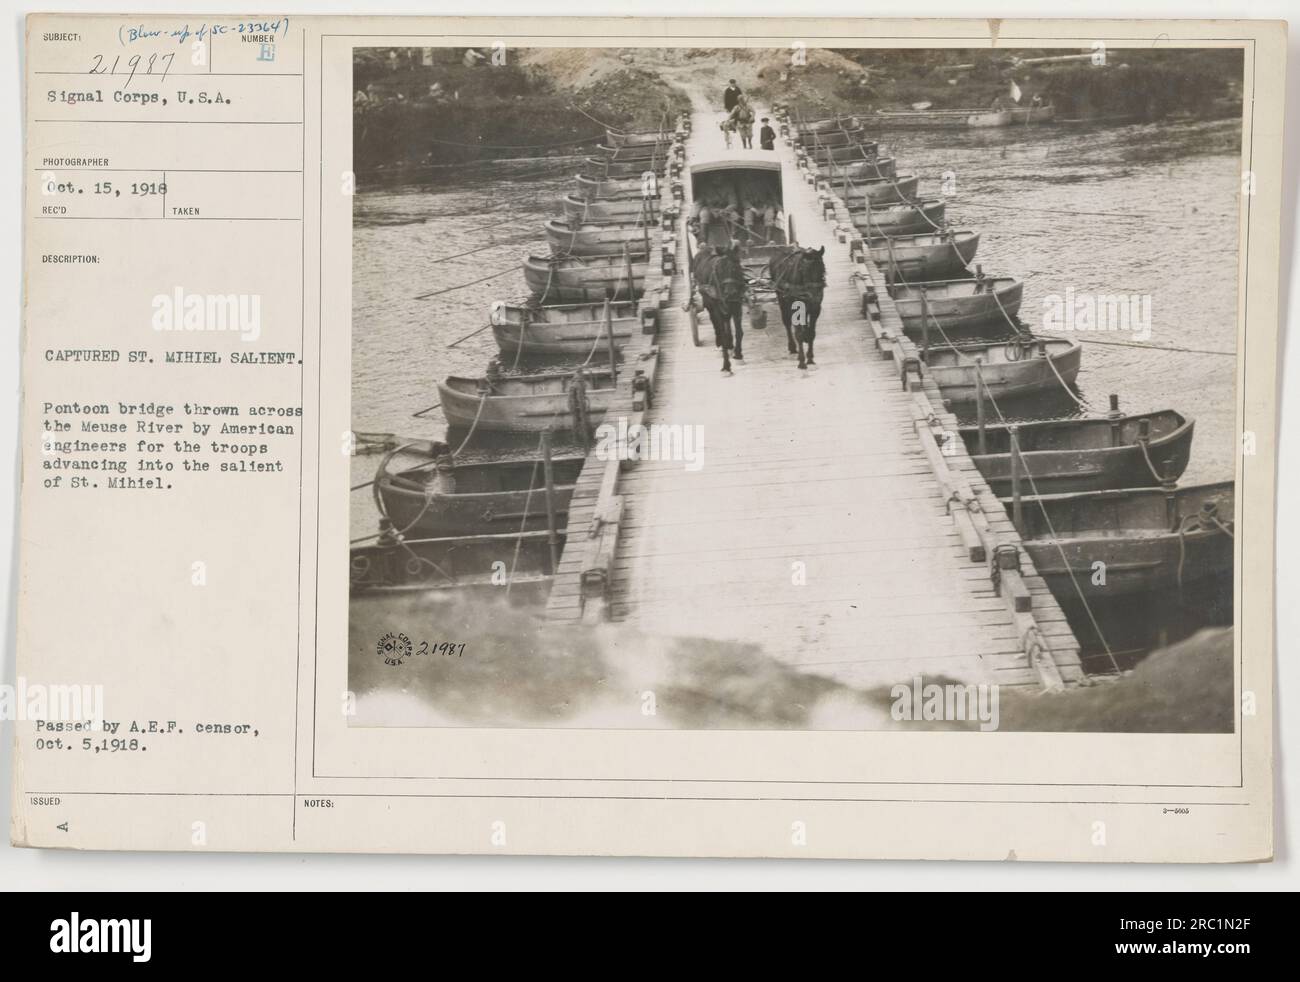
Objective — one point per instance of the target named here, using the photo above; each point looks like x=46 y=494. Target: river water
x=1135 y=210
x=1148 y=210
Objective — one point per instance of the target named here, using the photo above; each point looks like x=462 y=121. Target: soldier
x=742 y=119
x=730 y=94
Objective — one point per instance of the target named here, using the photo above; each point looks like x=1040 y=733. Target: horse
x=720 y=278
x=799 y=277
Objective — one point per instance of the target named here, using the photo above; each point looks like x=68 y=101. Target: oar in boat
x=477 y=330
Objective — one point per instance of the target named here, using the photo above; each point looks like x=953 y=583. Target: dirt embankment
x=519 y=673
x=1142 y=83
x=416 y=109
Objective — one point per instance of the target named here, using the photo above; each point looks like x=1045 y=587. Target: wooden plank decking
x=815 y=526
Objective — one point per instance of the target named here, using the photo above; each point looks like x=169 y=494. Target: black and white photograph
x=808 y=388
x=754 y=434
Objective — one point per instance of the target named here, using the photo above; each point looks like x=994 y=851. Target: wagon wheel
x=693 y=316
x=693 y=313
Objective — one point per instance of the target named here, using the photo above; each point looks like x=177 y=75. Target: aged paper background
x=139 y=627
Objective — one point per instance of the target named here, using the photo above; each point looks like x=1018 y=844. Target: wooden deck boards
x=815 y=527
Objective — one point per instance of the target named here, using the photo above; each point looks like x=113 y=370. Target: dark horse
x=720 y=279
x=799 y=278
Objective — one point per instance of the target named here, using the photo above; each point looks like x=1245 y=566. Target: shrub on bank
x=1148 y=84
x=412 y=116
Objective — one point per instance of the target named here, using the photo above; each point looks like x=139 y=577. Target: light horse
x=799 y=277
x=720 y=278
x=728 y=127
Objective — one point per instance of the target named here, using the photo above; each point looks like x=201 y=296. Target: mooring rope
x=1191 y=523
x=1079 y=400
x=1159 y=478
x=623 y=272
x=1150 y=347
x=1139 y=216
x=945 y=231
x=398 y=534
x=523 y=523
x=482 y=401
x=593 y=118
x=1051 y=529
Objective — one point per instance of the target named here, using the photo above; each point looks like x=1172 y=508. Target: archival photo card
x=663 y=437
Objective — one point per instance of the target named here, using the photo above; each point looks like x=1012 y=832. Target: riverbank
x=1143 y=85
x=416 y=109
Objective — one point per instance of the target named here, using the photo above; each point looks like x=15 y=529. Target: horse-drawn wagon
x=740 y=241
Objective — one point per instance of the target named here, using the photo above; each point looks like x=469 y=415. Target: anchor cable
x=1052 y=532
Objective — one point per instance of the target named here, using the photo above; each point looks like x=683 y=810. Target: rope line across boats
x=1092 y=617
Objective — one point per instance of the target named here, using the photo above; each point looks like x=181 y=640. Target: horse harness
x=787 y=281
x=716 y=286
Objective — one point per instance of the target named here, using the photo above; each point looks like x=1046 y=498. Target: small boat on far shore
x=618 y=139
x=920 y=118
x=957 y=119
x=1019 y=116
x=827 y=124
x=824 y=124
